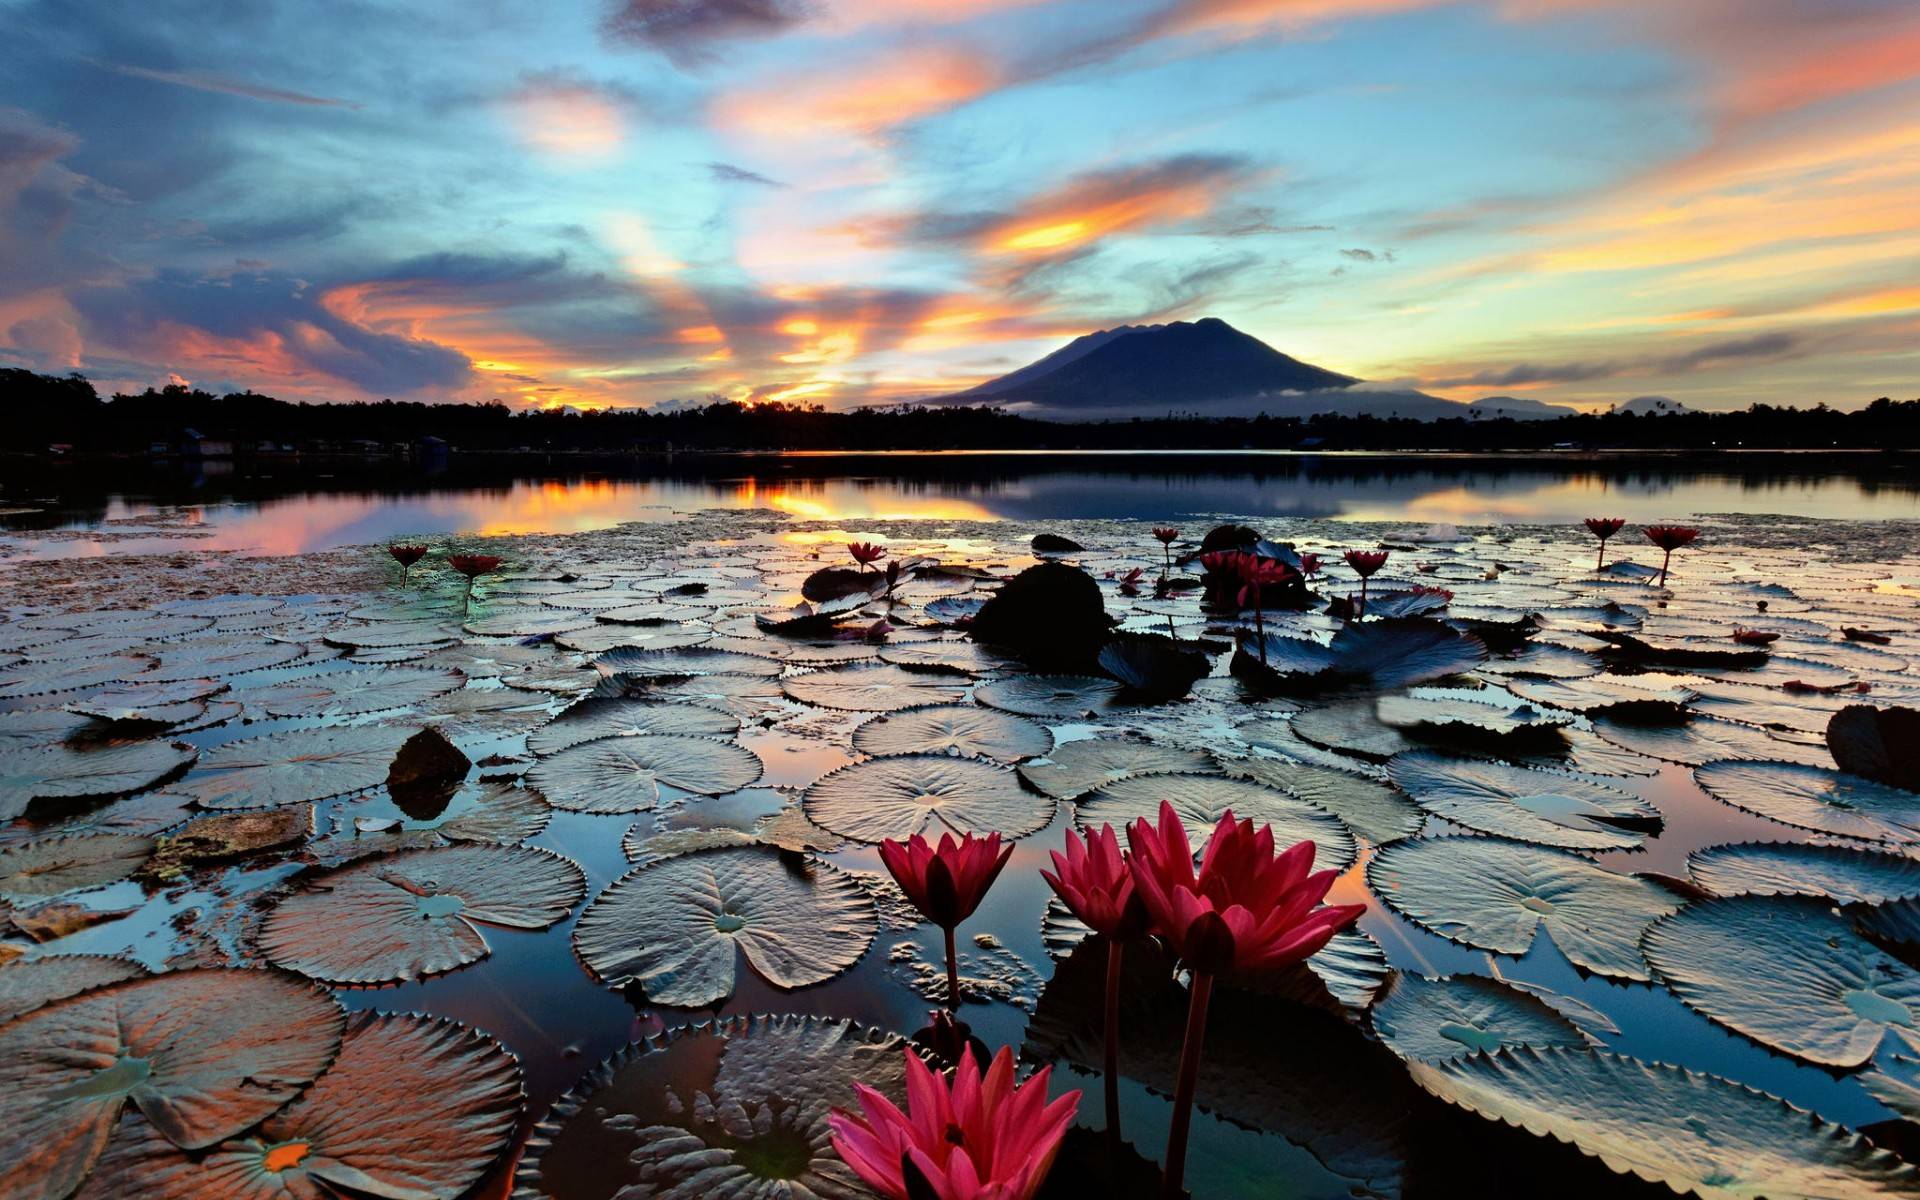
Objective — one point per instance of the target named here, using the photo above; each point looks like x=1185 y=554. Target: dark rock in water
x=1053 y=543
x=1228 y=537
x=1881 y=744
x=1154 y=666
x=1052 y=616
x=425 y=773
x=832 y=583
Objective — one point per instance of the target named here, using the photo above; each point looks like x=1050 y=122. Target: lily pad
x=1202 y=800
x=733 y=1110
x=1433 y=1019
x=1789 y=973
x=298 y=766
x=414 y=1106
x=1542 y=807
x=693 y=660
x=1816 y=798
x=965 y=657
x=906 y=794
x=67 y=772
x=1369 y=656
x=40 y=679
x=673 y=928
x=220 y=656
x=52 y=865
x=1077 y=768
x=1786 y=869
x=416 y=913
x=745 y=696
x=604 y=717
x=352 y=691
x=1496 y=895
x=1370 y=808
x=624 y=775
x=879 y=687
x=1698 y=1134
x=961 y=729
x=1051 y=697
x=203 y=1054
x=1707 y=739
x=31 y=983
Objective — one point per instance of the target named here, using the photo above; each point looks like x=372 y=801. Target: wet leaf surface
x=1433 y=1019
x=961 y=729
x=1816 y=798
x=297 y=766
x=625 y=774
x=930 y=794
x=1541 y=807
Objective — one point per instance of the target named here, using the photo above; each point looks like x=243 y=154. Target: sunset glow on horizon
x=642 y=202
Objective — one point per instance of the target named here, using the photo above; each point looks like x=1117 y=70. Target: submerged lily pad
x=414 y=1106
x=1789 y=973
x=1542 y=807
x=66 y=772
x=1786 y=869
x=203 y=1054
x=416 y=913
x=34 y=982
x=1079 y=767
x=1202 y=800
x=961 y=729
x=297 y=766
x=879 y=687
x=1496 y=895
x=734 y=1110
x=52 y=865
x=624 y=775
x=607 y=717
x=1432 y=1019
x=1698 y=1134
x=1051 y=697
x=930 y=794
x=673 y=927
x=1816 y=798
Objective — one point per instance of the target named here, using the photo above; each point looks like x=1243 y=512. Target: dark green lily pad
x=624 y=775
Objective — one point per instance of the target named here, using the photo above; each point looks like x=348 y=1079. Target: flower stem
x=1260 y=627
x=1664 y=564
x=1600 y=560
x=1111 y=1065
x=1175 y=1171
x=953 y=975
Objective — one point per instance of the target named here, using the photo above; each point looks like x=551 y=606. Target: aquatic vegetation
x=866 y=553
x=1093 y=879
x=1669 y=538
x=1366 y=564
x=946 y=882
x=406 y=556
x=1604 y=528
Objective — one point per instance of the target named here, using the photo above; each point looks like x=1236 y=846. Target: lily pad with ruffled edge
x=1816 y=798
x=733 y=1110
x=1698 y=1134
x=1154 y=667
x=1788 y=972
x=414 y=1106
x=676 y=928
x=203 y=1054
x=599 y=639
x=214 y=657
x=1051 y=697
x=529 y=620
x=1077 y=768
x=1437 y=713
x=1368 y=807
x=52 y=865
x=1352 y=727
x=1542 y=807
x=1370 y=656
x=955 y=611
x=1203 y=800
x=959 y=729
x=297 y=766
x=929 y=794
x=35 y=982
x=600 y=717
x=147 y=703
x=416 y=913
x=1428 y=1019
x=964 y=657
x=67 y=772
x=694 y=660
x=1841 y=873
x=498 y=813
x=1494 y=894
x=387 y=635
x=1544 y=660
x=34 y=728
x=624 y=775
x=879 y=687
x=350 y=692
x=745 y=696
x=1606 y=695
x=42 y=679
x=1707 y=739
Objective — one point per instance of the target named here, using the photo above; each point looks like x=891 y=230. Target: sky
x=654 y=202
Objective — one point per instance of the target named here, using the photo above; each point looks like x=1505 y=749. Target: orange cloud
x=863 y=100
x=571 y=122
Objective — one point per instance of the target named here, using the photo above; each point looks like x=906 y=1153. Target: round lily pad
x=673 y=928
x=1368 y=807
x=203 y=1054
x=414 y=1106
x=297 y=766
x=1543 y=807
x=1495 y=895
x=496 y=813
x=1698 y=1134
x=52 y=865
x=1789 y=973
x=1051 y=697
x=1432 y=1019
x=352 y=691
x=1786 y=869
x=65 y=771
x=1708 y=739
x=693 y=660
x=733 y=1110
x=624 y=775
x=30 y=983
x=1816 y=798
x=220 y=656
x=416 y=913
x=906 y=794
x=39 y=679
x=610 y=717
x=1202 y=800
x=745 y=696
x=879 y=687
x=962 y=729
x=1079 y=767
x=967 y=657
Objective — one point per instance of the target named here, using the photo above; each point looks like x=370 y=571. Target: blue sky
x=849 y=201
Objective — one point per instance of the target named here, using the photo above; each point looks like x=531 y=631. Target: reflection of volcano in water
x=296 y=509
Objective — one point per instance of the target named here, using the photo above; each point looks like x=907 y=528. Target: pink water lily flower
x=946 y=883
x=982 y=1137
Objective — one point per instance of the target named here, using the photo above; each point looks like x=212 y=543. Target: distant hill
x=1652 y=406
x=1181 y=367
x=1520 y=408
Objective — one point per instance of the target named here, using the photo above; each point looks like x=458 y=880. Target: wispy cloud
x=207 y=81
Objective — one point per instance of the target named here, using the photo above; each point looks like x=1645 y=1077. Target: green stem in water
x=1175 y=1172
x=1111 y=1065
